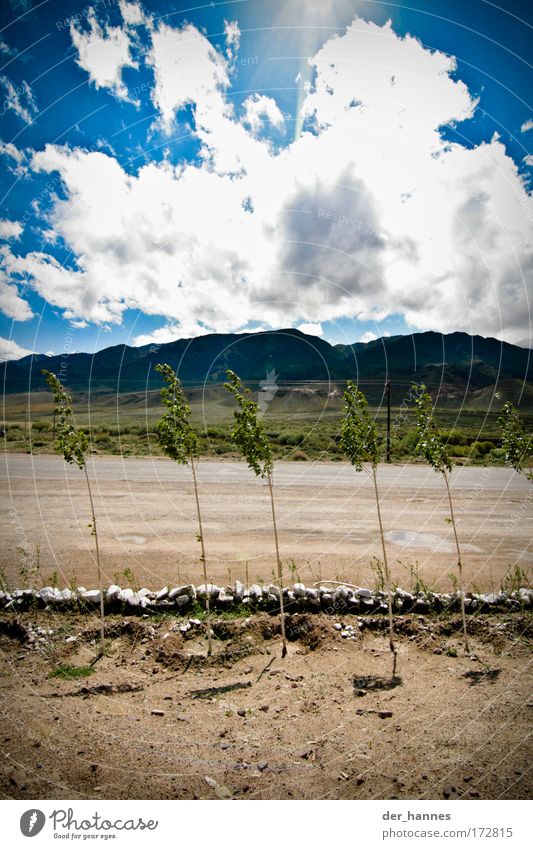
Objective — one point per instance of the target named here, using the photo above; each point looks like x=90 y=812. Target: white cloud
x=9 y=149
x=312 y=329
x=528 y=159
x=19 y=99
x=233 y=38
x=368 y=213
x=526 y=126
x=5 y=48
x=169 y=333
x=258 y=109
x=368 y=336
x=132 y=13
x=11 y=304
x=103 y=52
x=9 y=350
x=187 y=69
x=10 y=229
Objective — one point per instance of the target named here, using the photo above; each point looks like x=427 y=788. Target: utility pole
x=388 y=390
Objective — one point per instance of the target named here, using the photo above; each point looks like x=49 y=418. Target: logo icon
x=32 y=822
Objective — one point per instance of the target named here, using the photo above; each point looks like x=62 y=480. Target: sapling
x=361 y=443
x=430 y=445
x=250 y=436
x=180 y=442
x=515 y=443
x=72 y=443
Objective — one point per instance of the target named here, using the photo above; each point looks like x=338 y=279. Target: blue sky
x=168 y=171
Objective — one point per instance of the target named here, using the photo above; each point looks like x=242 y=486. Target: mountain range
x=456 y=364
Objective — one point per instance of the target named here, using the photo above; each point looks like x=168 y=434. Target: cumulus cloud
x=187 y=69
x=12 y=152
x=19 y=99
x=526 y=126
x=11 y=304
x=104 y=51
x=259 y=109
x=233 y=38
x=132 y=13
x=312 y=329
x=10 y=229
x=9 y=350
x=368 y=213
x=169 y=333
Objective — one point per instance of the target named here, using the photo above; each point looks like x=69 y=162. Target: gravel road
x=326 y=515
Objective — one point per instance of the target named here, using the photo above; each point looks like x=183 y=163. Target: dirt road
x=326 y=515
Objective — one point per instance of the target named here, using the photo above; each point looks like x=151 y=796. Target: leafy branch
x=430 y=445
x=73 y=443
x=362 y=443
x=250 y=437
x=515 y=442
x=180 y=442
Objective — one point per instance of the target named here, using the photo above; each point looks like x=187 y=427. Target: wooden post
x=388 y=389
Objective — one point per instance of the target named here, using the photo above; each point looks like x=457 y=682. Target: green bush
x=41 y=426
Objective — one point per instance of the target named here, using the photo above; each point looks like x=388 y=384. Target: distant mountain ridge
x=452 y=360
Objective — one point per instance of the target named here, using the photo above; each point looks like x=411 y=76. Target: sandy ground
x=326 y=516
x=451 y=725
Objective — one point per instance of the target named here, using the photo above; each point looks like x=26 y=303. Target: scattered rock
x=156 y=712
x=385 y=714
x=450 y=792
x=223 y=792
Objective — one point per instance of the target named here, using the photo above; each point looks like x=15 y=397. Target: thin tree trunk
x=386 y=566
x=280 y=574
x=459 y=562
x=100 y=586
x=201 y=534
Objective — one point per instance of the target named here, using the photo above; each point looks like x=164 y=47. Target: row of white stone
x=322 y=598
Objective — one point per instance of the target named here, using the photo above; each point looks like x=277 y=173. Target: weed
x=71 y=672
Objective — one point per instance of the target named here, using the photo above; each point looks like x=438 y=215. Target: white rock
x=113 y=592
x=162 y=594
x=363 y=593
x=256 y=591
x=345 y=634
x=67 y=595
x=48 y=594
x=91 y=596
x=210 y=590
x=299 y=590
x=338 y=626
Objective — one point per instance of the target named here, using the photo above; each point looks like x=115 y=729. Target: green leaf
x=516 y=445
x=174 y=432
x=360 y=439
x=430 y=444
x=70 y=441
x=249 y=433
